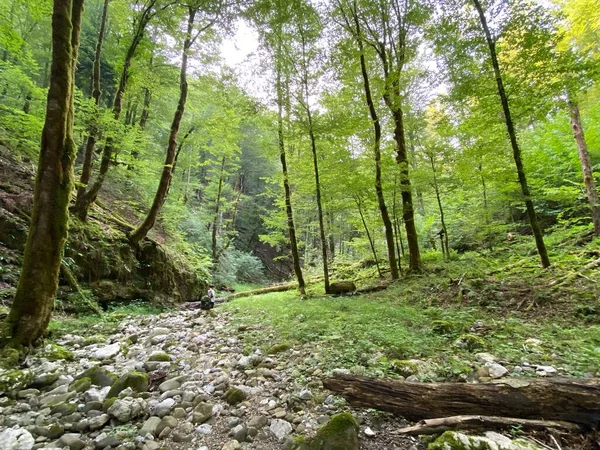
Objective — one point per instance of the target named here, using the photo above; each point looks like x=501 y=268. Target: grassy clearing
x=423 y=318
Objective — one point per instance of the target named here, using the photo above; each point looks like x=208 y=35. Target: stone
x=339 y=433
x=278 y=348
x=15 y=379
x=280 y=428
x=233 y=396
x=106 y=441
x=470 y=342
x=81 y=385
x=169 y=385
x=305 y=394
x=202 y=413
x=16 y=439
x=53 y=352
x=239 y=433
x=107 y=352
x=164 y=408
x=95 y=423
x=204 y=429
x=496 y=370
x=99 y=376
x=545 y=371
x=453 y=440
x=150 y=426
x=368 y=432
x=71 y=440
x=179 y=413
x=341 y=287
x=135 y=380
x=159 y=357
x=404 y=368
x=44 y=380
x=232 y=445
x=126 y=409
x=485 y=357
x=167 y=422
x=258 y=422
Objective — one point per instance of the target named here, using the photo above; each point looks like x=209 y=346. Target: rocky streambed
x=180 y=380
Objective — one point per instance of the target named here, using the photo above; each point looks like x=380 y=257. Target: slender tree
x=535 y=227
x=34 y=300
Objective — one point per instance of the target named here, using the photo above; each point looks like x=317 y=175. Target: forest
x=390 y=204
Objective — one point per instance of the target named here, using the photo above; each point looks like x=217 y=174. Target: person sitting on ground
x=208 y=301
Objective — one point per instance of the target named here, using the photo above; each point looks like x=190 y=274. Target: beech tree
x=34 y=300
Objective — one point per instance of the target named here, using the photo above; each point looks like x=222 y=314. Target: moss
x=159 y=356
x=404 y=367
x=80 y=385
x=233 y=396
x=296 y=443
x=135 y=380
x=99 y=376
x=98 y=339
x=9 y=358
x=340 y=433
x=278 y=348
x=471 y=342
x=108 y=403
x=65 y=409
x=15 y=379
x=54 y=352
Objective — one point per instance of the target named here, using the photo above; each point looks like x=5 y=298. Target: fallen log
x=266 y=290
x=438 y=426
x=571 y=400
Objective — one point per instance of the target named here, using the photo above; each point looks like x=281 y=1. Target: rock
x=496 y=370
x=107 y=352
x=239 y=433
x=158 y=331
x=453 y=440
x=305 y=394
x=126 y=409
x=135 y=380
x=150 y=426
x=341 y=287
x=51 y=400
x=164 y=408
x=106 y=441
x=234 y=396
x=232 y=445
x=169 y=385
x=95 y=423
x=167 y=422
x=159 y=357
x=204 y=429
x=280 y=428
x=258 y=422
x=16 y=439
x=470 y=342
x=278 y=348
x=9 y=358
x=202 y=413
x=404 y=368
x=545 y=371
x=15 y=379
x=53 y=352
x=99 y=376
x=55 y=431
x=44 y=380
x=340 y=433
x=179 y=413
x=485 y=357
x=71 y=440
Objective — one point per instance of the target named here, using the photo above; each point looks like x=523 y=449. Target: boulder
x=341 y=287
x=340 y=433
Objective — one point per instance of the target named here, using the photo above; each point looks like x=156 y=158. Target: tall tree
x=34 y=300
x=191 y=35
x=535 y=227
x=353 y=24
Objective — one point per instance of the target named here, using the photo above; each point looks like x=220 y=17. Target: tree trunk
x=573 y=400
x=535 y=228
x=217 y=209
x=389 y=231
x=286 y=182
x=399 y=250
x=34 y=300
x=371 y=243
x=88 y=161
x=444 y=239
x=84 y=202
x=146 y=108
x=167 y=173
x=586 y=166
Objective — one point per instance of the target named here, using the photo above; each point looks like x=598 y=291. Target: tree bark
x=34 y=300
x=444 y=243
x=572 y=400
x=167 y=173
x=535 y=228
x=586 y=165
x=371 y=243
x=389 y=231
x=145 y=109
x=286 y=182
x=88 y=161
x=217 y=209
x=85 y=201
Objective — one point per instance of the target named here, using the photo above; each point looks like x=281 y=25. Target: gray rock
x=205 y=429
x=239 y=433
x=305 y=394
x=258 y=422
x=16 y=439
x=496 y=370
x=167 y=422
x=232 y=445
x=107 y=352
x=126 y=409
x=150 y=426
x=98 y=422
x=169 y=385
x=163 y=408
x=202 y=413
x=71 y=440
x=280 y=428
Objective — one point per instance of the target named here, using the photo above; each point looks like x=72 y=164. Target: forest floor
x=442 y=325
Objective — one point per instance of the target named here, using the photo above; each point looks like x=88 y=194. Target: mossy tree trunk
x=86 y=171
x=34 y=299
x=535 y=227
x=85 y=201
x=217 y=210
x=167 y=173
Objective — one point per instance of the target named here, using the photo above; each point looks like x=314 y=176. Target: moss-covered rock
x=9 y=358
x=55 y=352
x=279 y=348
x=108 y=402
x=80 y=385
x=15 y=379
x=442 y=327
x=159 y=357
x=453 y=440
x=64 y=409
x=233 y=396
x=296 y=443
x=340 y=433
x=99 y=376
x=404 y=367
x=471 y=342
x=135 y=380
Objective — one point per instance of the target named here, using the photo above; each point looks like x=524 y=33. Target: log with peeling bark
x=571 y=400
x=438 y=426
